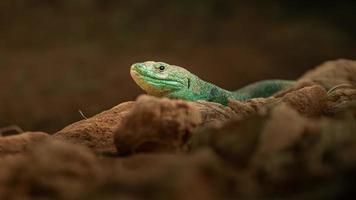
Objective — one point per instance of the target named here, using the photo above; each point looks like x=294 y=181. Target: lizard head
x=159 y=78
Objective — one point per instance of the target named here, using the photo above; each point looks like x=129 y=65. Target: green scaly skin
x=163 y=80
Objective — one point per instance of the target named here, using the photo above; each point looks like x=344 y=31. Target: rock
x=97 y=132
x=294 y=152
x=156 y=124
x=275 y=154
x=213 y=113
x=297 y=86
x=60 y=170
x=169 y=176
x=235 y=140
x=14 y=144
x=284 y=123
x=284 y=154
x=251 y=107
x=340 y=99
x=331 y=73
x=51 y=170
x=310 y=101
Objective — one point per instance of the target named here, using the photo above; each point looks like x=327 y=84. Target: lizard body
x=164 y=80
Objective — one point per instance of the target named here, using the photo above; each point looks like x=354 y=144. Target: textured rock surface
x=341 y=98
x=156 y=124
x=10 y=145
x=310 y=101
x=251 y=107
x=212 y=113
x=77 y=173
x=52 y=169
x=284 y=154
x=97 y=132
x=332 y=73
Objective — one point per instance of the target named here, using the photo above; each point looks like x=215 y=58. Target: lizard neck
x=199 y=89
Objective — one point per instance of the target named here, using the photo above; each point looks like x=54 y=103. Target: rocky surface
x=14 y=144
x=310 y=101
x=97 y=132
x=332 y=73
x=298 y=144
x=156 y=125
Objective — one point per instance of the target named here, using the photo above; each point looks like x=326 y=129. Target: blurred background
x=61 y=56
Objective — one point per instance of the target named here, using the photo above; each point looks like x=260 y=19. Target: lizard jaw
x=146 y=85
x=154 y=85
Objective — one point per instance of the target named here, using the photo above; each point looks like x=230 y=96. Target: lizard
x=164 y=80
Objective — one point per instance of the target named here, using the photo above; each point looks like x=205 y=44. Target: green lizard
x=164 y=80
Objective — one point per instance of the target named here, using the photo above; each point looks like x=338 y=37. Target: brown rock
x=310 y=101
x=284 y=126
x=60 y=170
x=251 y=107
x=340 y=99
x=169 y=176
x=282 y=153
x=156 y=124
x=278 y=155
x=97 y=132
x=332 y=73
x=213 y=113
x=235 y=140
x=295 y=87
x=296 y=152
x=51 y=170
x=14 y=144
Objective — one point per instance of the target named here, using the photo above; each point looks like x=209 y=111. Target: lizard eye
x=161 y=68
